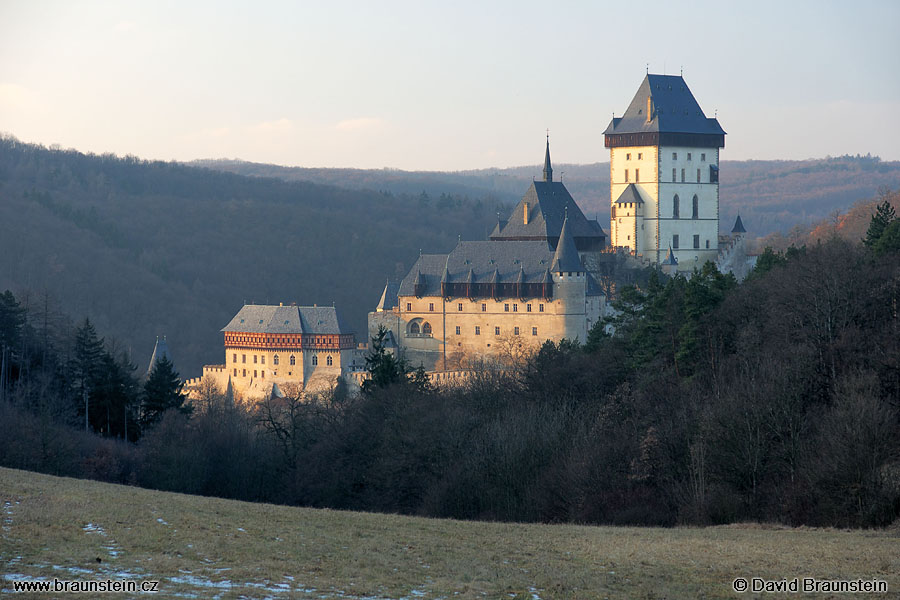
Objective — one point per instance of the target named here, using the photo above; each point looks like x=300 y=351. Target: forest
x=702 y=400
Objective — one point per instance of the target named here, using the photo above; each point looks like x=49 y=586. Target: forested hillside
x=152 y=248
x=771 y=196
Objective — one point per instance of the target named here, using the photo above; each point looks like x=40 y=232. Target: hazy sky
x=441 y=85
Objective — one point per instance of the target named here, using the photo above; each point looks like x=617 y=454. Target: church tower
x=664 y=175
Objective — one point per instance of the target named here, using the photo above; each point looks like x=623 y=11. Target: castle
x=503 y=297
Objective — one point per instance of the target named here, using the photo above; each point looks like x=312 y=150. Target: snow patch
x=92 y=528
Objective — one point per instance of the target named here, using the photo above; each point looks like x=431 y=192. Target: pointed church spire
x=738 y=226
x=548 y=170
x=566 y=257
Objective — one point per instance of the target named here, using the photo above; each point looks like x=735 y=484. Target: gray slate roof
x=674 y=110
x=388 y=299
x=160 y=351
x=738 y=226
x=548 y=203
x=258 y=318
x=487 y=262
x=630 y=194
x=566 y=256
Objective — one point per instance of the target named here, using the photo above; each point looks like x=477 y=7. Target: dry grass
x=206 y=547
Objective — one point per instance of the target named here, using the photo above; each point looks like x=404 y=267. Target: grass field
x=203 y=547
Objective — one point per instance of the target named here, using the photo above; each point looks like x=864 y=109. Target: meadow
x=55 y=527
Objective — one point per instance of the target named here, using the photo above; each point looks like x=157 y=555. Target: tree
x=384 y=368
x=12 y=321
x=889 y=240
x=86 y=367
x=883 y=217
x=162 y=391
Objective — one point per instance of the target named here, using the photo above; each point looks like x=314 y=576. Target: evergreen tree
x=12 y=322
x=890 y=239
x=883 y=217
x=86 y=368
x=162 y=391
x=384 y=368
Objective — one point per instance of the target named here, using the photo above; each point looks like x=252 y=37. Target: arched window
x=293 y=360
x=329 y=361
x=426 y=328
x=275 y=359
x=315 y=360
x=675 y=207
x=414 y=328
x=695 y=208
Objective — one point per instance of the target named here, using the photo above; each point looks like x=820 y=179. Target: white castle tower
x=664 y=175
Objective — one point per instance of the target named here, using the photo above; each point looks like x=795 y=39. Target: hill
x=771 y=196
x=152 y=248
x=81 y=530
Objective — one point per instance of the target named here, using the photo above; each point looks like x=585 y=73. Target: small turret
x=738 y=227
x=548 y=170
x=566 y=257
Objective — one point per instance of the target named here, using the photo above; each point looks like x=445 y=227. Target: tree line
x=700 y=401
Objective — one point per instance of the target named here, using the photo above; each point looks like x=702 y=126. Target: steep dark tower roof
x=548 y=170
x=630 y=194
x=388 y=299
x=664 y=112
x=670 y=258
x=566 y=256
x=738 y=226
x=160 y=351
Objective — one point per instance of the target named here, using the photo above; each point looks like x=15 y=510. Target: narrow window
x=457 y=330
x=235 y=372
x=515 y=308
x=697 y=241
x=613 y=211
x=254 y=359
x=262 y=359
x=540 y=308
x=506 y=307
x=640 y=156
x=689 y=156
x=477 y=330
x=534 y=331
x=315 y=360
x=496 y=331
x=703 y=157
x=674 y=175
x=626 y=175
x=515 y=331
x=431 y=306
x=628 y=157
x=254 y=374
x=484 y=308
x=243 y=372
x=637 y=175
x=329 y=361
x=235 y=358
x=408 y=306
x=675 y=207
x=527 y=308
x=682 y=176
x=459 y=307
x=674 y=156
x=698 y=175
x=275 y=359
x=426 y=328
x=243 y=359
x=675 y=242
x=707 y=244
x=293 y=360
x=262 y=374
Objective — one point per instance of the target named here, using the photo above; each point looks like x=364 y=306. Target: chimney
x=649 y=108
x=525 y=205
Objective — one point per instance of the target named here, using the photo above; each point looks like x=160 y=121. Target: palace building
x=504 y=296
x=664 y=175
x=299 y=347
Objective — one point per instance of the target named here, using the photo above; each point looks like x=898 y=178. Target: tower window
x=243 y=372
x=707 y=244
x=674 y=175
x=703 y=157
x=459 y=307
x=674 y=156
x=315 y=360
x=689 y=156
x=626 y=175
x=696 y=241
x=675 y=207
x=408 y=306
x=628 y=156
x=540 y=308
x=431 y=306
x=695 y=207
x=675 y=242
x=527 y=308
x=254 y=359
x=293 y=360
x=254 y=373
x=637 y=175
x=275 y=359
x=484 y=308
x=515 y=308
x=262 y=359
x=698 y=175
x=682 y=176
x=244 y=359
x=640 y=156
x=329 y=361
x=235 y=358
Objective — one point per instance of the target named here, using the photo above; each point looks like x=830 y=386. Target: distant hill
x=770 y=196
x=153 y=248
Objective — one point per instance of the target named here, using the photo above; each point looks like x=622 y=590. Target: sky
x=441 y=85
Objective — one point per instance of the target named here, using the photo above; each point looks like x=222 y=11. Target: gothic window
x=275 y=359
x=414 y=328
x=315 y=360
x=426 y=328
x=329 y=361
x=675 y=207
x=293 y=360
x=675 y=242
x=695 y=207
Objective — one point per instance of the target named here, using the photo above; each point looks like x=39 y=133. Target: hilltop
x=76 y=529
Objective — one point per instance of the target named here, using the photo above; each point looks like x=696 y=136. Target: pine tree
x=162 y=391
x=883 y=216
x=86 y=368
x=384 y=368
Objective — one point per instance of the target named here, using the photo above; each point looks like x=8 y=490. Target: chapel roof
x=259 y=318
